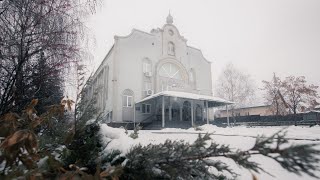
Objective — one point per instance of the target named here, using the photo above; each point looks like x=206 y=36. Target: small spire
x=169 y=18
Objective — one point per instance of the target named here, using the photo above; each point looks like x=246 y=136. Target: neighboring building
x=154 y=77
x=263 y=110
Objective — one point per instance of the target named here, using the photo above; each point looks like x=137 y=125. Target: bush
x=135 y=133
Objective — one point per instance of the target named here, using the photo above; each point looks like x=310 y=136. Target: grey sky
x=258 y=36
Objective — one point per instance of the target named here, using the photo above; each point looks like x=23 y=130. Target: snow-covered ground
x=236 y=137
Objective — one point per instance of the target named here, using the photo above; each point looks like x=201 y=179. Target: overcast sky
x=258 y=36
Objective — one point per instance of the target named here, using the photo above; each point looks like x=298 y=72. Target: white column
x=202 y=109
x=192 y=112
x=163 y=123
x=228 y=115
x=207 y=112
x=213 y=114
x=134 y=115
x=181 y=112
x=170 y=109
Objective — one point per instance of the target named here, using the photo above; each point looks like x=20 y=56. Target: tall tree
x=235 y=86
x=37 y=34
x=298 y=95
x=273 y=92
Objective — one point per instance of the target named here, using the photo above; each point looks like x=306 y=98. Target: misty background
x=258 y=36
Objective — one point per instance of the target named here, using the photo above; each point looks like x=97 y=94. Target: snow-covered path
x=237 y=137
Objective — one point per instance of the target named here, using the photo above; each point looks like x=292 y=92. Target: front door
x=186 y=111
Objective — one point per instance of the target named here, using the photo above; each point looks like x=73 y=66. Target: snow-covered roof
x=213 y=101
x=315 y=111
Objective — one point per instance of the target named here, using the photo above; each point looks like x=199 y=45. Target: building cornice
x=200 y=53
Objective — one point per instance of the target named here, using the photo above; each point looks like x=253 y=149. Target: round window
x=171 y=32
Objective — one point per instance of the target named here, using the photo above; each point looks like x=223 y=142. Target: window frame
x=146 y=67
x=166 y=71
x=127 y=97
x=145 y=109
x=171 y=49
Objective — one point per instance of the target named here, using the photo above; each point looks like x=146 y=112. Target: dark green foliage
x=86 y=108
x=135 y=133
x=181 y=160
x=84 y=149
x=53 y=133
x=174 y=160
x=302 y=158
x=39 y=40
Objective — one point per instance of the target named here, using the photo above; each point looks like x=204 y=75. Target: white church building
x=154 y=78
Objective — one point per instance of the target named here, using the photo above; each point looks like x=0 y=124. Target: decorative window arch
x=171 y=48
x=127 y=98
x=146 y=65
x=192 y=76
x=171 y=70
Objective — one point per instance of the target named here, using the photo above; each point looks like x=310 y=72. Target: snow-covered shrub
x=135 y=133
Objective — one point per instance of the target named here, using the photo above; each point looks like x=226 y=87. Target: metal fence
x=257 y=120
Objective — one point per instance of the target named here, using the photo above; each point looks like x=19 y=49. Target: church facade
x=154 y=77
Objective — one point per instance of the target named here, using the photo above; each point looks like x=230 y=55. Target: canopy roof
x=212 y=101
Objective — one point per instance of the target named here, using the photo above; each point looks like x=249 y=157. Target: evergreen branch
x=181 y=160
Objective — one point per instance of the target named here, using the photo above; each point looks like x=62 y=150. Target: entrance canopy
x=212 y=101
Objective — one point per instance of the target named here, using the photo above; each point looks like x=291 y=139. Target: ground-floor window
x=146 y=108
x=127 y=101
x=127 y=98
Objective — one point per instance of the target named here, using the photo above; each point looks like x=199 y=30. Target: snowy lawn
x=237 y=137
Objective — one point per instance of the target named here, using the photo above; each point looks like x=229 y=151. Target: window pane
x=144 y=67
x=143 y=108
x=148 y=67
x=124 y=101
x=129 y=101
x=148 y=108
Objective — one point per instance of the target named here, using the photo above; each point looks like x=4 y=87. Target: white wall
x=125 y=64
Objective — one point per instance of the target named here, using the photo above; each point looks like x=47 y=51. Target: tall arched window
x=192 y=76
x=127 y=98
x=105 y=86
x=171 y=48
x=146 y=66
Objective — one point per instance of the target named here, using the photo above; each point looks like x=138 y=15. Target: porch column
x=202 y=109
x=213 y=114
x=227 y=115
x=170 y=109
x=181 y=113
x=134 y=115
x=192 y=112
x=207 y=112
x=163 y=123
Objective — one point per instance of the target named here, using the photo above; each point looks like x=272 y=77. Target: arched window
x=105 y=86
x=192 y=77
x=146 y=66
x=170 y=70
x=127 y=98
x=171 y=48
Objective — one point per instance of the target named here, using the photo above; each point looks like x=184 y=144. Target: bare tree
x=235 y=86
x=273 y=95
x=29 y=29
x=298 y=95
